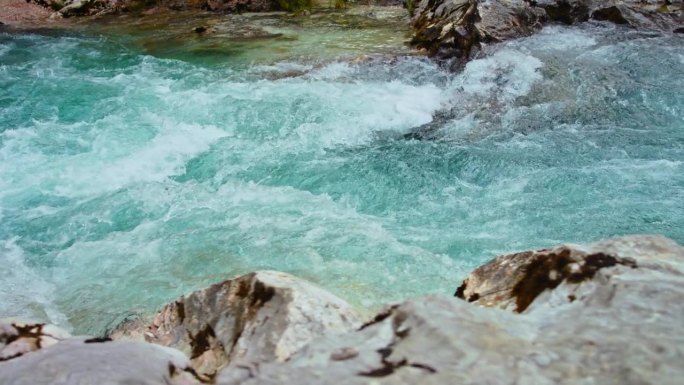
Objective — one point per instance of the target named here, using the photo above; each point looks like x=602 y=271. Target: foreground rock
x=571 y=272
x=259 y=317
x=607 y=313
x=19 y=338
x=611 y=312
x=458 y=28
x=77 y=361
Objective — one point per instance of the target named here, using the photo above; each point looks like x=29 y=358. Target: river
x=140 y=160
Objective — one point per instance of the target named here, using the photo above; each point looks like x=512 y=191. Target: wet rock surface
x=259 y=317
x=458 y=28
x=514 y=281
x=610 y=312
x=621 y=325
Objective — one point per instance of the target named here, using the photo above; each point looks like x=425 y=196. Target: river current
x=135 y=169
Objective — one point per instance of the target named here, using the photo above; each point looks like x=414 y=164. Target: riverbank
x=447 y=31
x=458 y=30
x=20 y=13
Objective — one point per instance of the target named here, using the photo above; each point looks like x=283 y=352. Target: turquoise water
x=129 y=176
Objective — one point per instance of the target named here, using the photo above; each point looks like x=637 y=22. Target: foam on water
x=25 y=293
x=505 y=75
x=556 y=38
x=163 y=156
x=4 y=48
x=127 y=179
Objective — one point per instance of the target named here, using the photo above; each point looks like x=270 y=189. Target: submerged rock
x=94 y=361
x=258 y=317
x=458 y=28
x=623 y=326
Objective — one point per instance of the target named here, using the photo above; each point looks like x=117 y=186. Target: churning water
x=129 y=178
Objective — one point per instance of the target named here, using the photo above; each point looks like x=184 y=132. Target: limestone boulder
x=572 y=272
x=623 y=326
x=18 y=338
x=80 y=361
x=259 y=317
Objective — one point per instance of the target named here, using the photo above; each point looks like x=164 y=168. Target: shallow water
x=132 y=171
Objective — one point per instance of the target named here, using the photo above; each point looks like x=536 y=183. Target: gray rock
x=80 y=361
x=514 y=281
x=18 y=338
x=502 y=20
x=79 y=7
x=259 y=317
x=644 y=15
x=457 y=29
x=622 y=327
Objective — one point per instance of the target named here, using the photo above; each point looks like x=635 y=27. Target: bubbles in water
x=503 y=76
x=126 y=180
x=25 y=293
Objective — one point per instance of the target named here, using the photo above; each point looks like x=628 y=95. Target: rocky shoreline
x=459 y=29
x=19 y=13
x=452 y=31
x=609 y=312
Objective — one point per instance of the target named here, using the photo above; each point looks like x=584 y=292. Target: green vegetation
x=411 y=6
x=56 y=5
x=140 y=5
x=295 y=5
